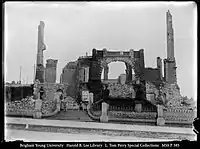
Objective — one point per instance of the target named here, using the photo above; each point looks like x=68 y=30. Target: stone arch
x=107 y=60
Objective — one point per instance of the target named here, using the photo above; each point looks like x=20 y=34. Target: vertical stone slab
x=50 y=71
x=160 y=118
x=38 y=109
x=91 y=98
x=104 y=113
x=57 y=100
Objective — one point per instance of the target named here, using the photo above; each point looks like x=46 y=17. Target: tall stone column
x=41 y=47
x=170 y=37
x=50 y=71
x=170 y=62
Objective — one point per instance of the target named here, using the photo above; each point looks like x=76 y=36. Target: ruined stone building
x=85 y=73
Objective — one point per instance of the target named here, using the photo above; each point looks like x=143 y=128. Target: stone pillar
x=38 y=109
x=41 y=47
x=138 y=107
x=57 y=100
x=142 y=65
x=104 y=114
x=106 y=72
x=160 y=118
x=170 y=37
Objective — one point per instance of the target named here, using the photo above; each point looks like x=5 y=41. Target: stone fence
x=163 y=115
x=180 y=115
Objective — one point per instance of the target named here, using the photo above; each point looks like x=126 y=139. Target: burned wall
x=172 y=97
x=68 y=77
x=151 y=74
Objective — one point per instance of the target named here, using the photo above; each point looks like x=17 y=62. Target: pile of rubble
x=69 y=103
x=25 y=104
x=48 y=107
x=151 y=88
x=173 y=96
x=119 y=90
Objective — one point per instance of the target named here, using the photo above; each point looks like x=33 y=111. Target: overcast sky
x=72 y=29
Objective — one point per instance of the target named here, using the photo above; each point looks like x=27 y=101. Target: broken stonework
x=69 y=103
x=119 y=90
x=173 y=96
x=151 y=89
x=168 y=93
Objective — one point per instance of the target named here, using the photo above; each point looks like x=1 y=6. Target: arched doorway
x=115 y=69
x=118 y=69
x=118 y=76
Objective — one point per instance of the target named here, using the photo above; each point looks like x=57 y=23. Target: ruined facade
x=154 y=82
x=68 y=76
x=85 y=73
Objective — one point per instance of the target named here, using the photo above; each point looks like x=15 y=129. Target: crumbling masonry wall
x=172 y=92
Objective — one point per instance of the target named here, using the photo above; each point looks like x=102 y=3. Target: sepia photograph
x=100 y=71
